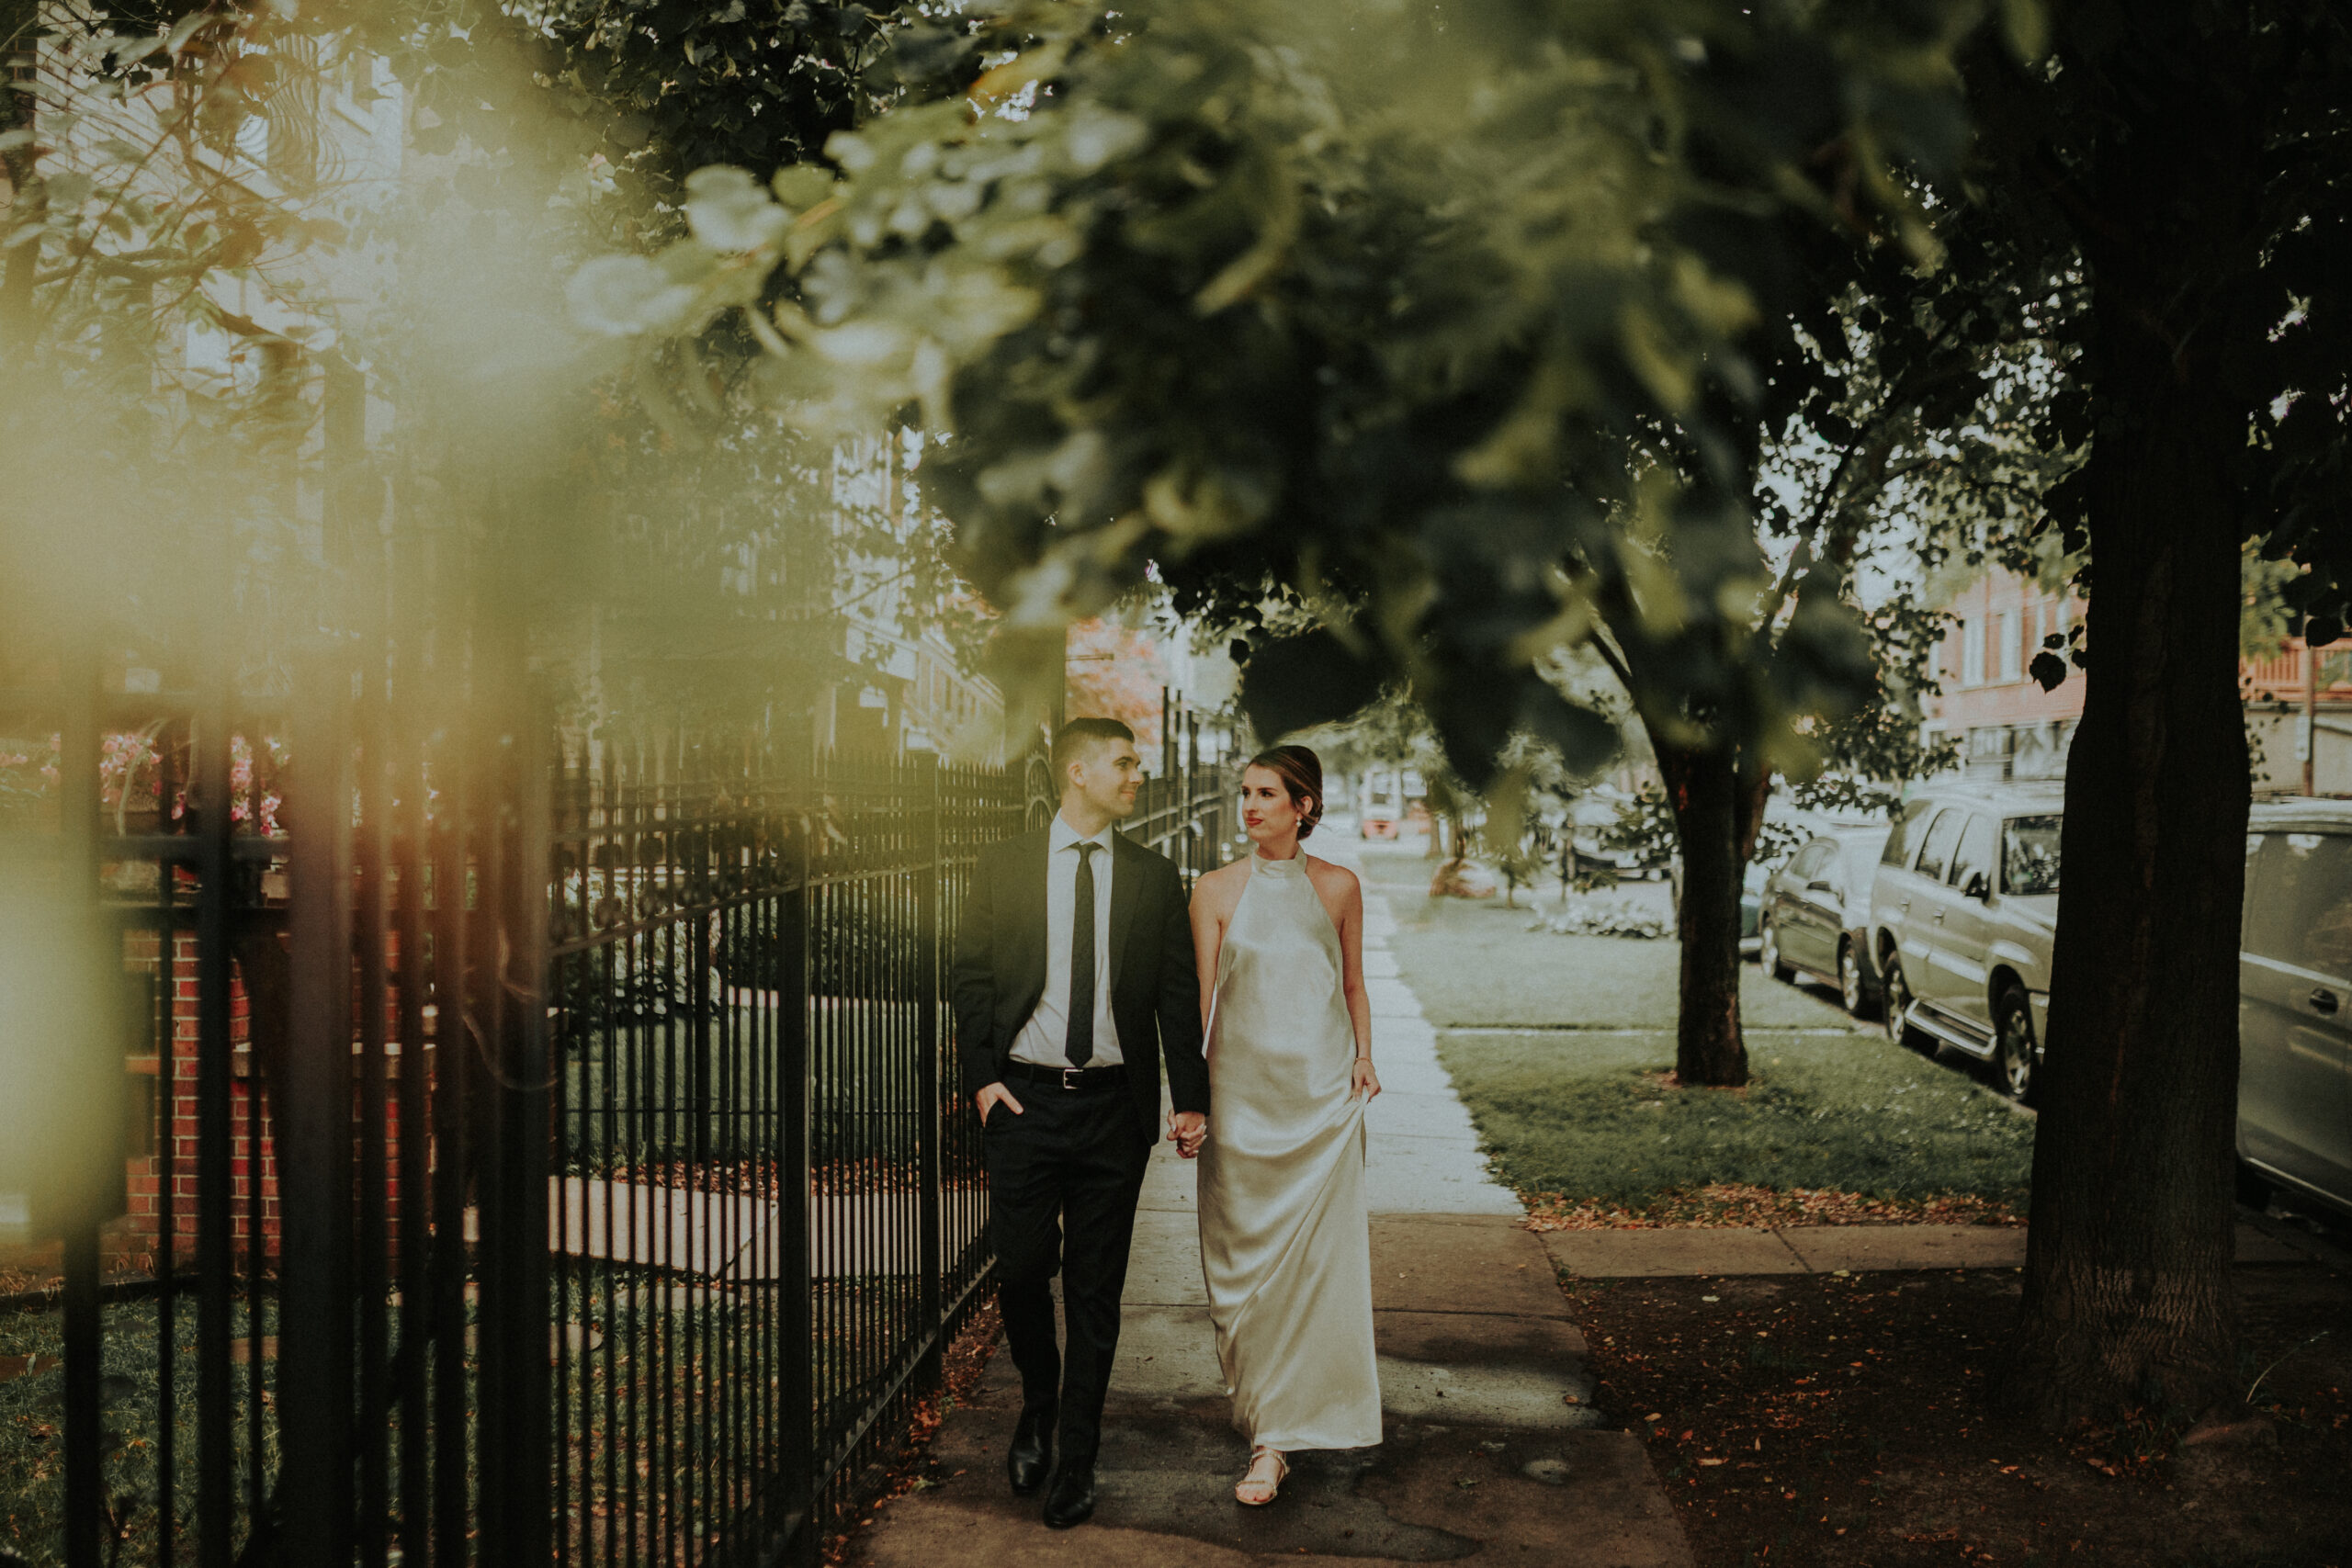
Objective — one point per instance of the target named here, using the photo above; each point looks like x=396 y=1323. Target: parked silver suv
x=2295 y=1000
x=1962 y=918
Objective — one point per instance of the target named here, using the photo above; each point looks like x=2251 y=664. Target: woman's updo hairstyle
x=1301 y=772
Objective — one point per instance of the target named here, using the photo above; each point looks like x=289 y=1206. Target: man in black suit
x=1073 y=977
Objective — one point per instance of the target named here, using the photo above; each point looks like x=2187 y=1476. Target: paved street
x=1473 y=965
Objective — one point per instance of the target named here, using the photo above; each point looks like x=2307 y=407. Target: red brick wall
x=253 y=1160
x=2022 y=701
x=2000 y=700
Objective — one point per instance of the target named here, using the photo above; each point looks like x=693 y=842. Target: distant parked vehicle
x=1963 y=916
x=1593 y=820
x=1797 y=826
x=1814 y=915
x=2295 y=1000
x=1389 y=803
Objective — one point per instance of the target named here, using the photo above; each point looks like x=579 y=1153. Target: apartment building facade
x=2009 y=727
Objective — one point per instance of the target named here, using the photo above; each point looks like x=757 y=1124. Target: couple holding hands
x=1079 y=966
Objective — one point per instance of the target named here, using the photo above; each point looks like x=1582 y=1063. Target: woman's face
x=1267 y=810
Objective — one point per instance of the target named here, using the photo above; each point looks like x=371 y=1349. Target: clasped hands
x=1188 y=1129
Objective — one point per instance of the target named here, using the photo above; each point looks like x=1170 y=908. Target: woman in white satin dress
x=1285 y=1245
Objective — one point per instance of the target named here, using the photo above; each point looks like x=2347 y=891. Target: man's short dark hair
x=1079 y=734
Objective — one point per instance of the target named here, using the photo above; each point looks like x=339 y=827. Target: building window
x=2011 y=663
x=1971 y=651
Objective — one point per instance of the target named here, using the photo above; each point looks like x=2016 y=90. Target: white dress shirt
x=1042 y=1040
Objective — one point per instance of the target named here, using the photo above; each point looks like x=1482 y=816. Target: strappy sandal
x=1273 y=1488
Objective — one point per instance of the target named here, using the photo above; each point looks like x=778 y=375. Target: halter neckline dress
x=1285 y=1242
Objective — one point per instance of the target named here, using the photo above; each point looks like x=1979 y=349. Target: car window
x=2303 y=912
x=1974 y=856
x=1902 y=839
x=2030 y=855
x=1935 y=855
x=1807 y=865
x=1839 y=866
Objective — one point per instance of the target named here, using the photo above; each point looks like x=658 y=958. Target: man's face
x=1106 y=775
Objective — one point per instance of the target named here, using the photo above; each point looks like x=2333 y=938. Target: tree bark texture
x=1702 y=787
x=2127 y=1289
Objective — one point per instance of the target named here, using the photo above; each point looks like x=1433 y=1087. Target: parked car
x=1752 y=878
x=1815 y=914
x=1962 y=913
x=1389 y=803
x=2295 y=1000
x=1777 y=813
x=1592 y=817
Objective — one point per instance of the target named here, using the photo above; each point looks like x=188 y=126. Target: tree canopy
x=1251 y=295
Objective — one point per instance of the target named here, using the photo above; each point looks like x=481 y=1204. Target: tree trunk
x=2127 y=1288
x=2128 y=1269
x=1702 y=788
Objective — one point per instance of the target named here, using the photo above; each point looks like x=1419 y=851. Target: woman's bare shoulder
x=1221 y=886
x=1333 y=878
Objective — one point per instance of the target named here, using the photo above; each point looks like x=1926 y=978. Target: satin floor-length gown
x=1285 y=1243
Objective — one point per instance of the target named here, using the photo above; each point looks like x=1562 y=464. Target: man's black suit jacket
x=999 y=972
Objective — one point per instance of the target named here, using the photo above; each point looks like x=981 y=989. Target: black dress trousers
x=1064 y=1177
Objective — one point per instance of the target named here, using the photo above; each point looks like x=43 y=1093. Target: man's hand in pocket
x=995 y=1094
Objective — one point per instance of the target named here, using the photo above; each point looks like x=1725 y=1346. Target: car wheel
x=1897 y=998
x=2016 y=1055
x=1768 y=951
x=1850 y=989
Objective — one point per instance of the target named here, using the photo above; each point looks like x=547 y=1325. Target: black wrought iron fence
x=303 y=1317
x=769 y=1217
x=1186 y=812
x=539 y=1150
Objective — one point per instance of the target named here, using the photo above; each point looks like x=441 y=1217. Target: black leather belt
x=1074 y=1078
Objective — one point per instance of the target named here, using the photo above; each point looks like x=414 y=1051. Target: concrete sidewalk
x=1492 y=1444
x=1820 y=1249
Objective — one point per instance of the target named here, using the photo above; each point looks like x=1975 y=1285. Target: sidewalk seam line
x=1802 y=1261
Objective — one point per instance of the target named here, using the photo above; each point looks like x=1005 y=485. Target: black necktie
x=1080 y=1046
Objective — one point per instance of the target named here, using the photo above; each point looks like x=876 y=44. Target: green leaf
x=729 y=212
x=1587 y=741
x=68 y=190
x=1298 y=682
x=1094 y=136
x=187 y=27
x=2026 y=26
x=803 y=185
x=624 y=296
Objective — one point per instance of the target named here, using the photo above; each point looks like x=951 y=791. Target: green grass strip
x=1587 y=1117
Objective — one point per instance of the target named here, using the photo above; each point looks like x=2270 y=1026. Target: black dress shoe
x=1032 y=1453
x=1071 y=1500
